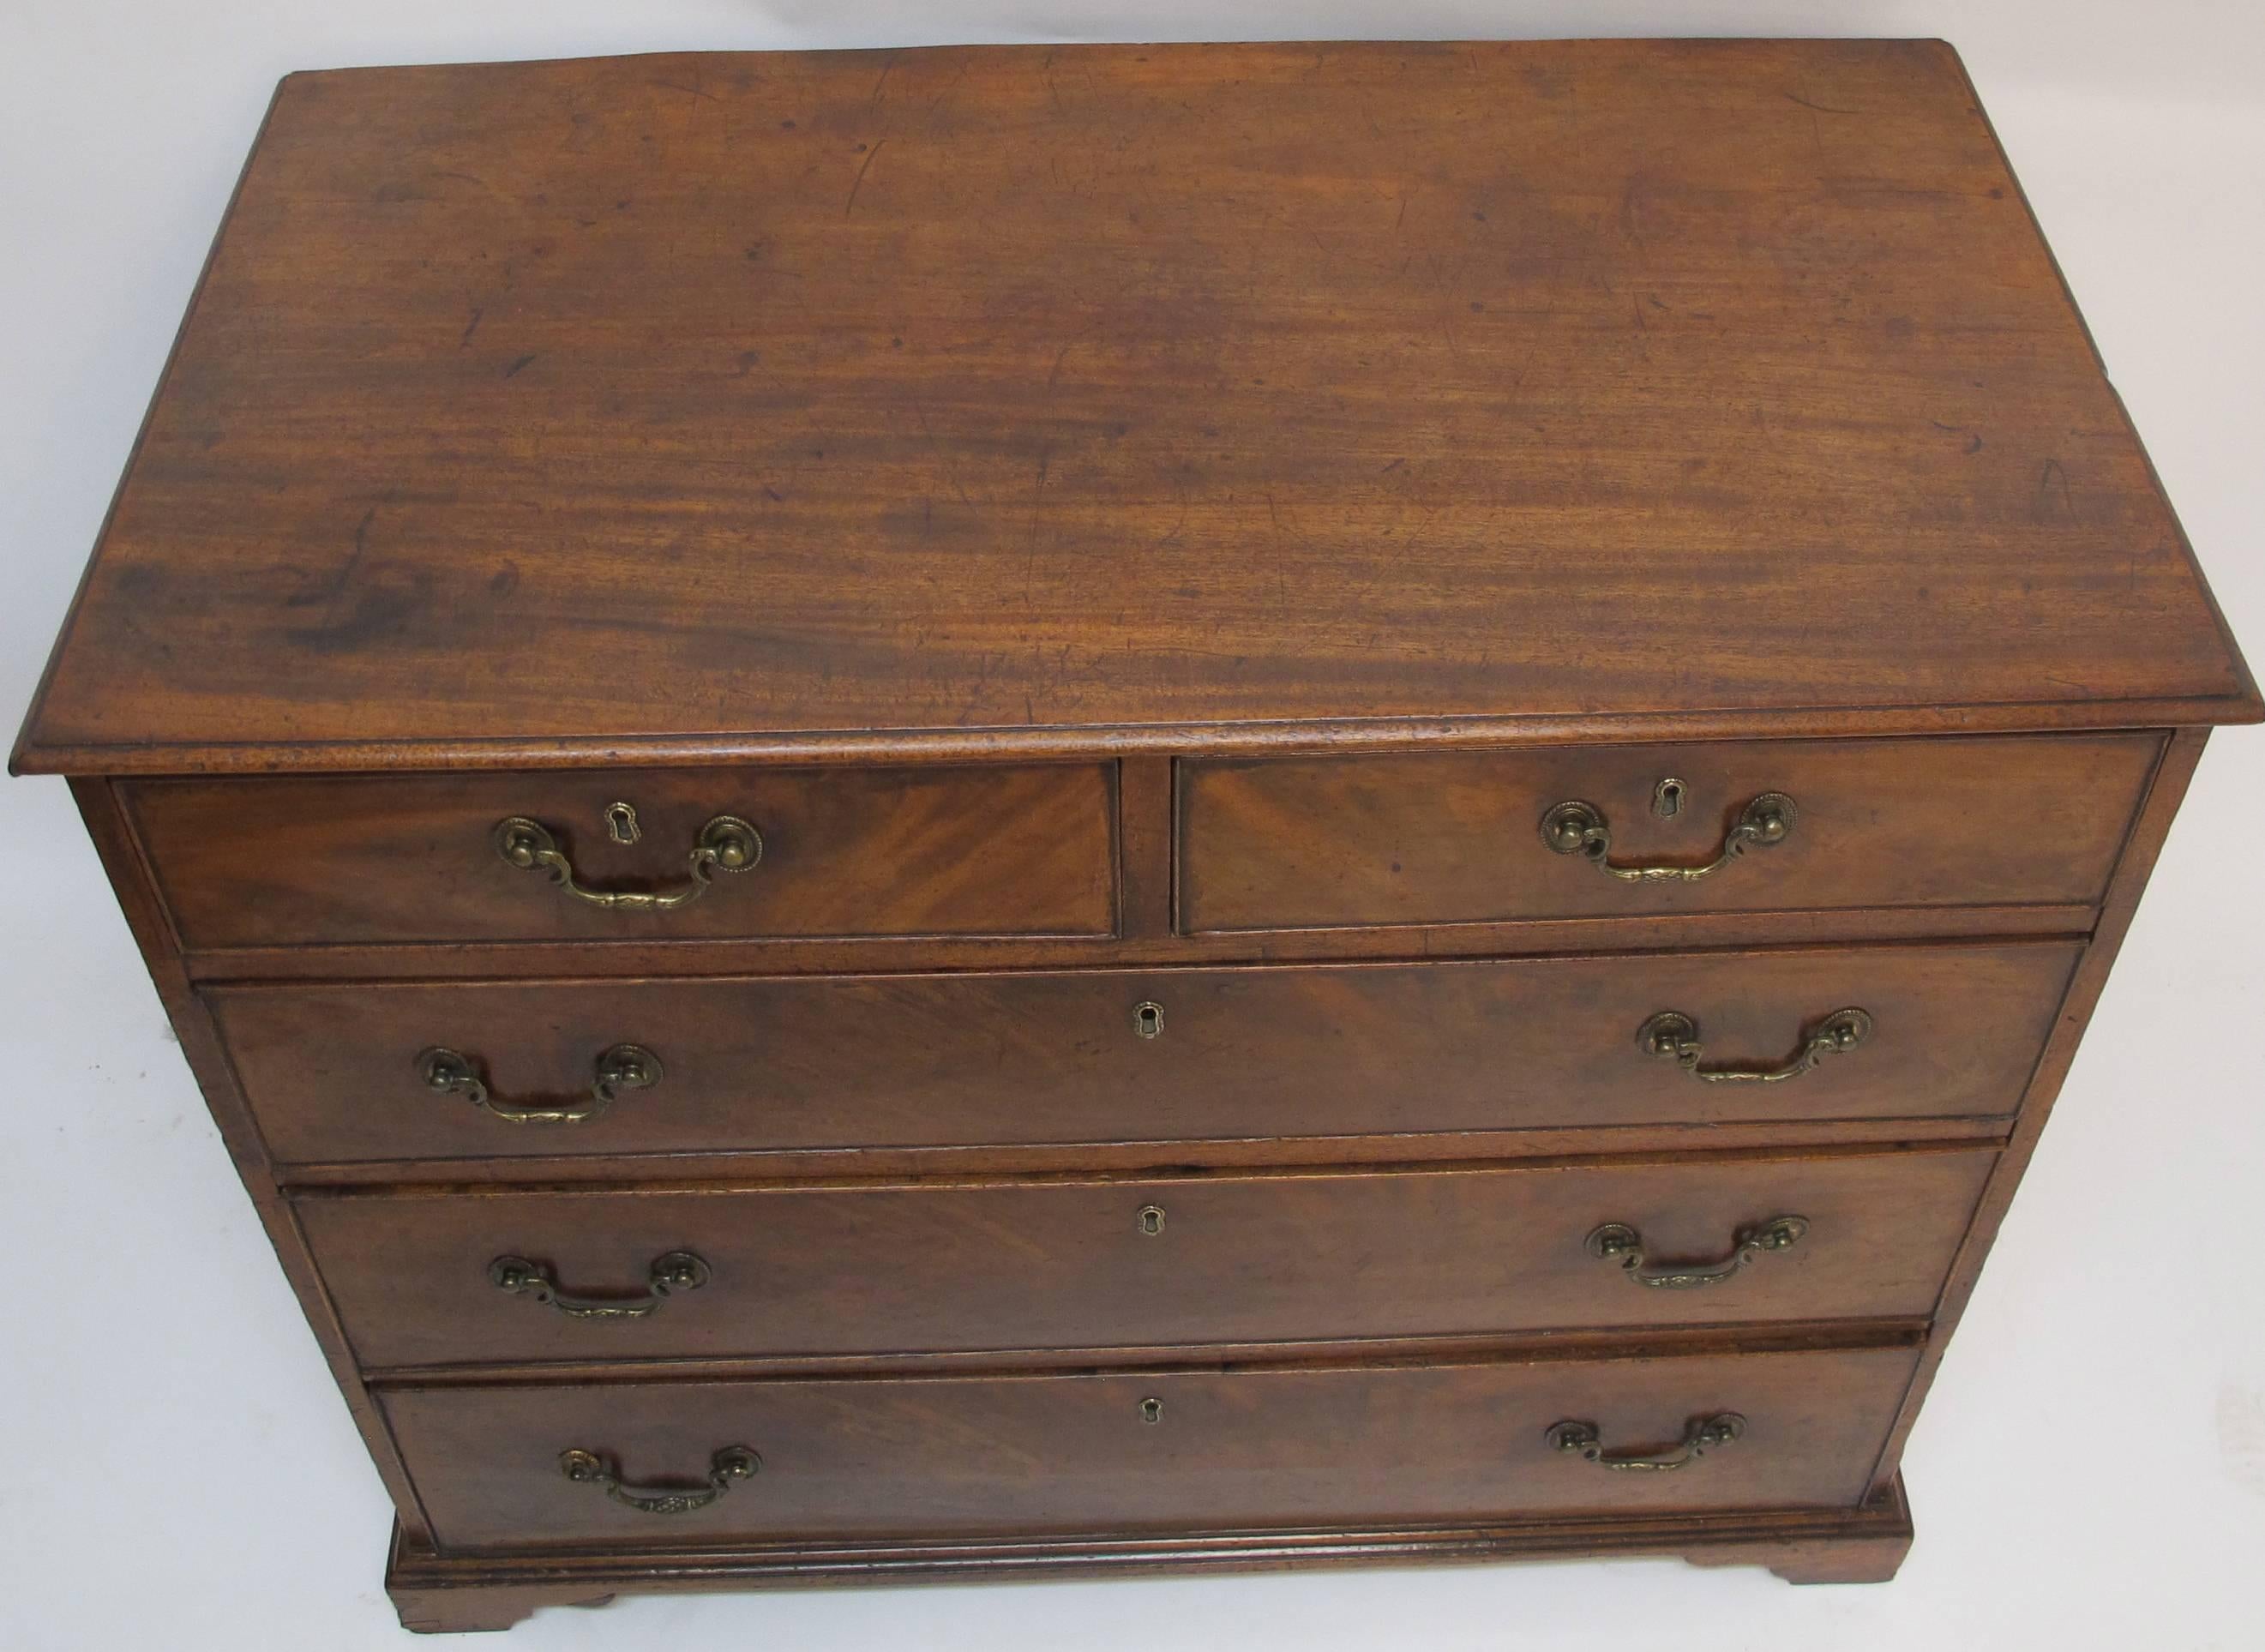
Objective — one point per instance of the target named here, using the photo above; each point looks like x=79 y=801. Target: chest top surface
x=1031 y=398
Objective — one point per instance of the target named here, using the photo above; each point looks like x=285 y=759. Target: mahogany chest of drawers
x=1014 y=811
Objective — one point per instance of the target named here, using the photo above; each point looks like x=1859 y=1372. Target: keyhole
x=1667 y=799
x=1148 y=1020
x=622 y=823
x=1152 y=1218
x=1152 y=1410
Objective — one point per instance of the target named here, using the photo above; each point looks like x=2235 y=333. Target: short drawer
x=1110 y=1453
x=344 y=1073
x=448 y=1278
x=699 y=854
x=1539 y=833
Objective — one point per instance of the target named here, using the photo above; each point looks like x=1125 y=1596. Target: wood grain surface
x=1282 y=1054
x=1003 y=393
x=1071 y=1454
x=1447 y=837
x=917 y=1269
x=390 y=861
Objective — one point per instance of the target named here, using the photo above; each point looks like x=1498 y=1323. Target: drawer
x=834 y=852
x=1138 y=1261
x=1460 y=837
x=1101 y=1453
x=337 y=1074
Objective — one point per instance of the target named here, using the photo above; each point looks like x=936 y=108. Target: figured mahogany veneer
x=830 y=1062
x=1285 y=1257
x=1197 y=565
x=1447 y=838
x=844 y=852
x=1071 y=1455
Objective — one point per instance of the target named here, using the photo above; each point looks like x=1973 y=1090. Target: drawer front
x=1140 y=1262
x=1458 y=837
x=843 y=853
x=334 y=1072
x=1250 y=1449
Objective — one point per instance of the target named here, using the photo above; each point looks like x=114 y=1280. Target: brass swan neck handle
x=729 y=1465
x=1574 y=827
x=626 y=1066
x=1673 y=1036
x=1701 y=1436
x=1617 y=1241
x=727 y=843
x=678 y=1271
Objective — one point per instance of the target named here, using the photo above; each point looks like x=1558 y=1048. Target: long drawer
x=1151 y=1261
x=1460 y=837
x=1095 y=1454
x=346 y=1073
x=639 y=855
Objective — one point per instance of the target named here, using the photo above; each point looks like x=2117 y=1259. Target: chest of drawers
x=1006 y=811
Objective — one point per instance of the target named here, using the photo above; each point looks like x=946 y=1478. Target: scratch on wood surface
x=943 y=460
x=2050 y=480
x=361 y=544
x=328 y=593
x=1038 y=496
x=1171 y=535
x=935 y=104
x=872 y=155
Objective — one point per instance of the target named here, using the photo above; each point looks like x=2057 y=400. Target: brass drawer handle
x=626 y=1067
x=1673 y=1035
x=1617 y=1241
x=1703 y=1435
x=588 y=1468
x=678 y=1270
x=1574 y=827
x=727 y=843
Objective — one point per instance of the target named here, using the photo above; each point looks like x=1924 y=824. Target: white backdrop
x=176 y=1469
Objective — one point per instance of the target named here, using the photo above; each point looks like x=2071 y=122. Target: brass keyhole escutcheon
x=1152 y=1218
x=1667 y=798
x=1149 y=1019
x=622 y=823
x=1152 y=1410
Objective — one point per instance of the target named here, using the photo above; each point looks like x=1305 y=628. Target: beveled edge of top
x=1175 y=740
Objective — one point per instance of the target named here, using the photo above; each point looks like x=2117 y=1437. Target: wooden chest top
x=1086 y=398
